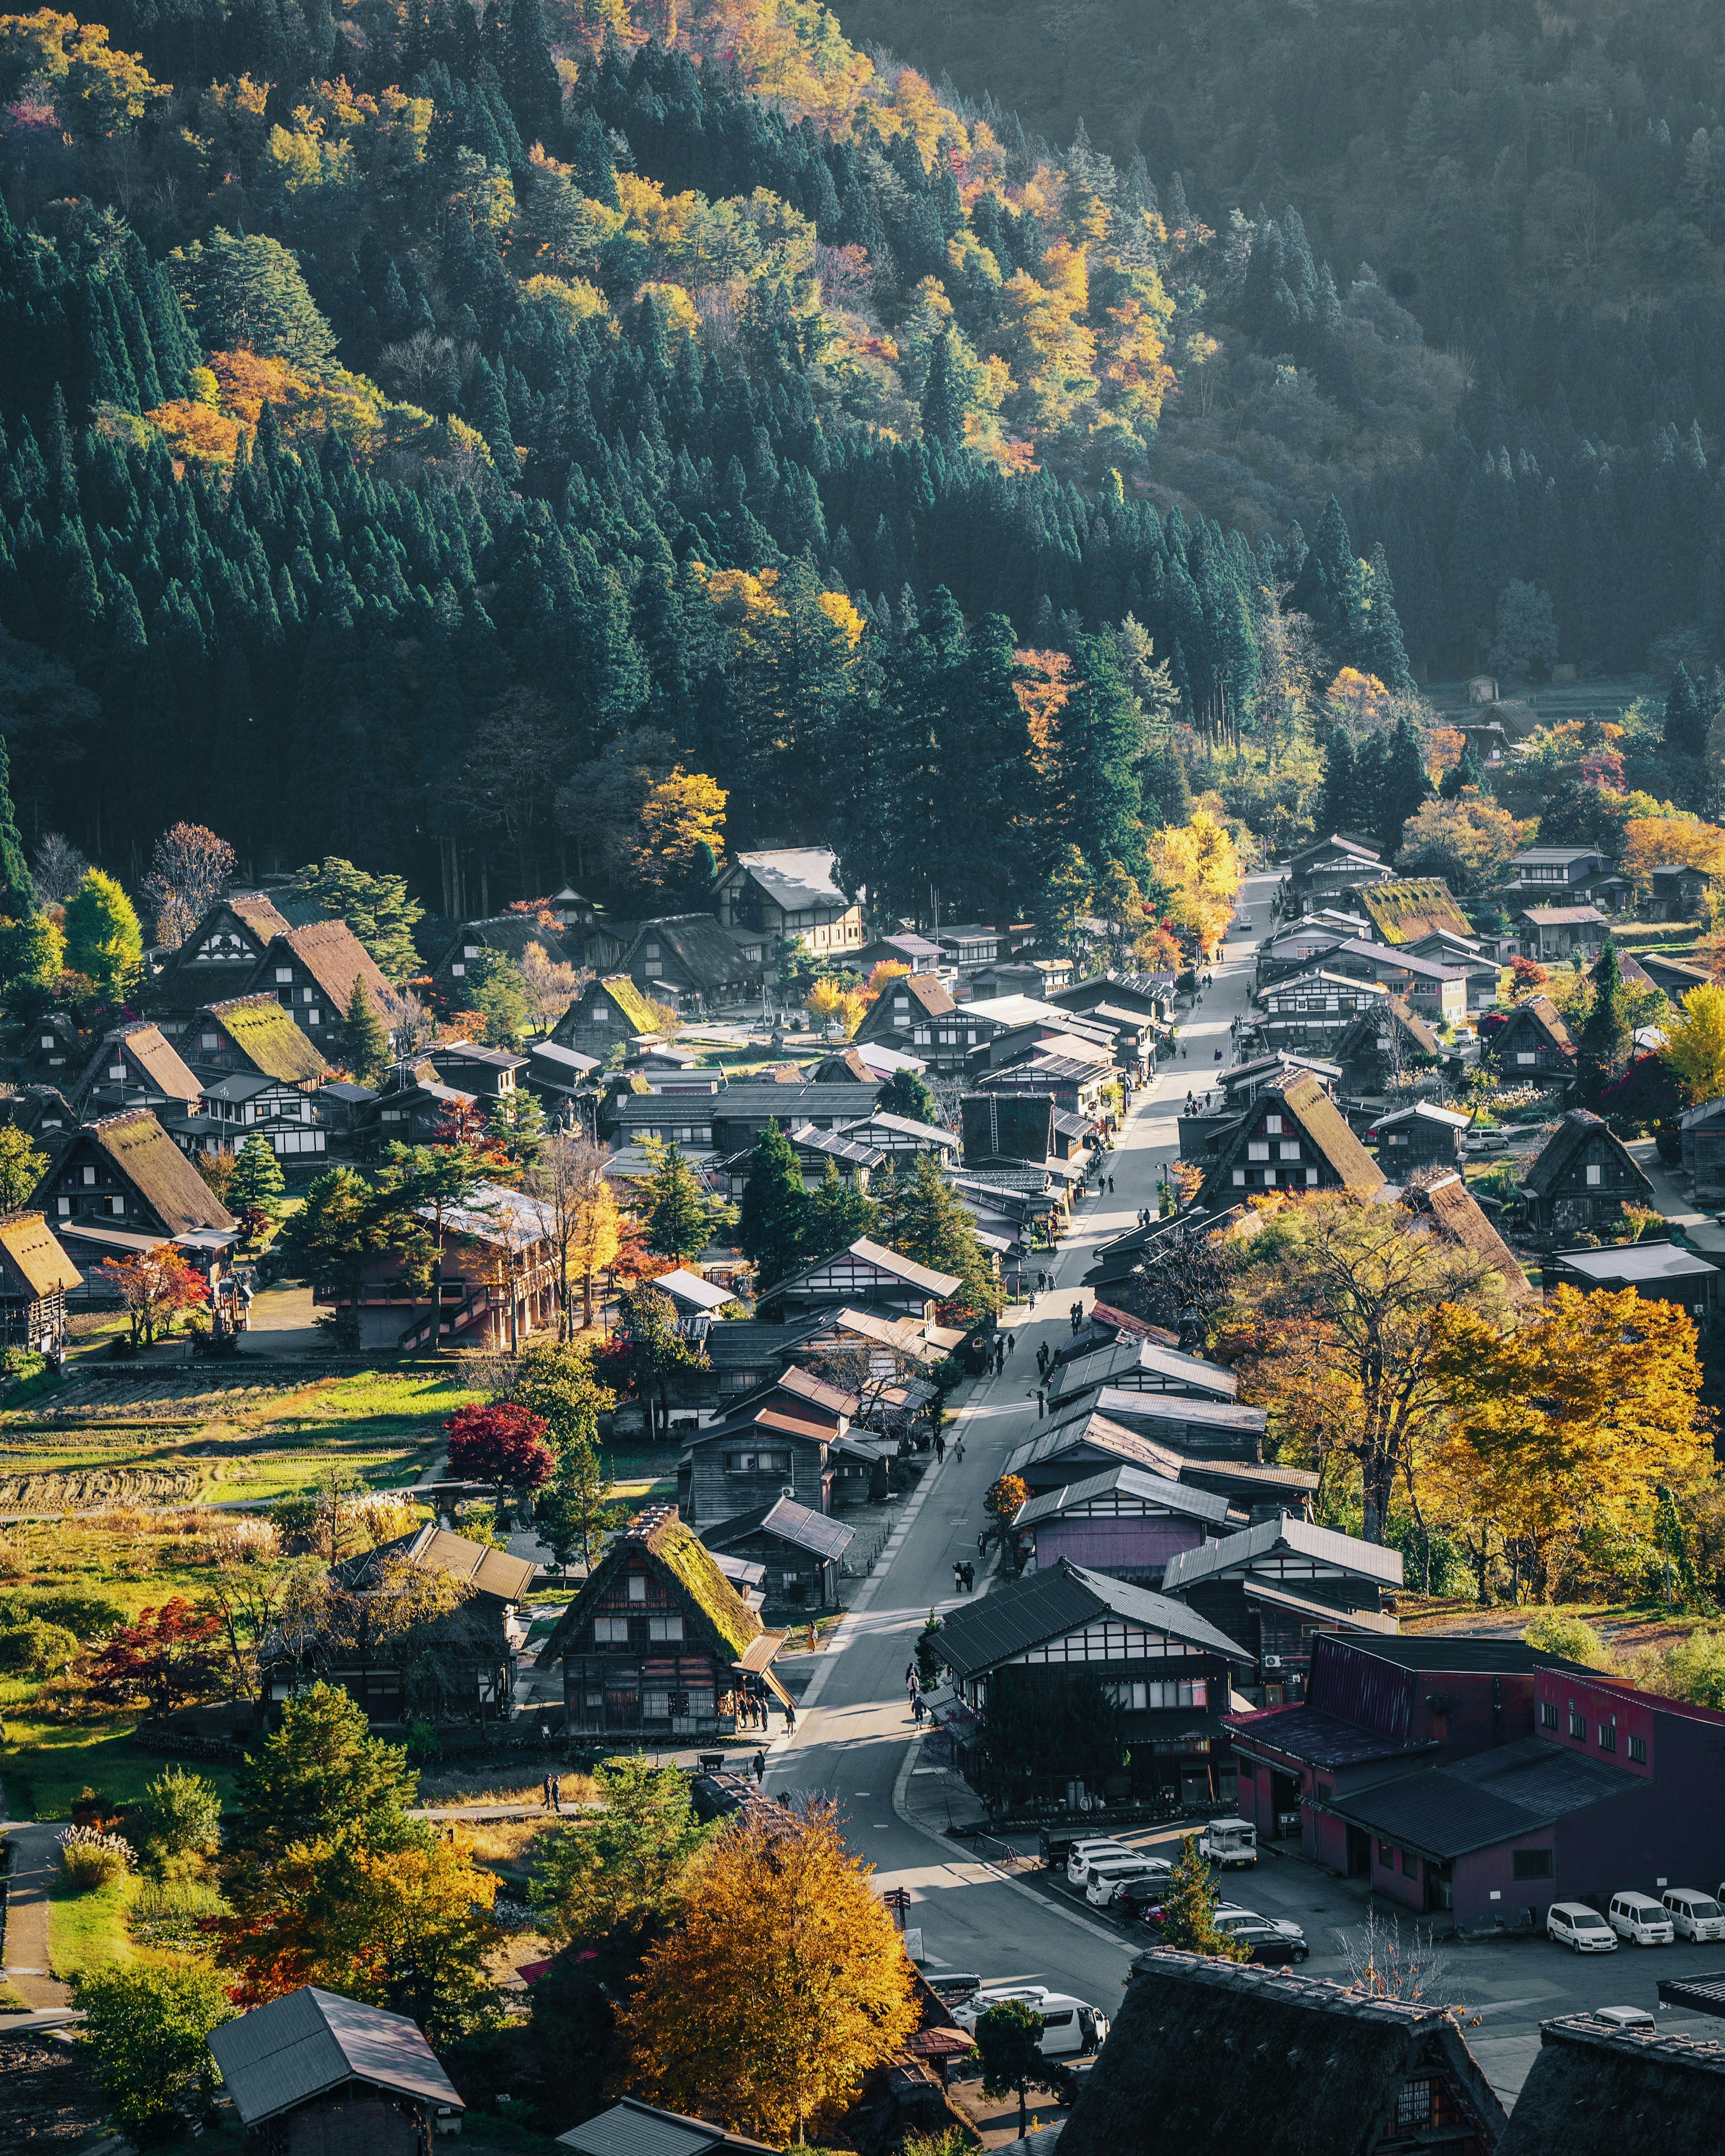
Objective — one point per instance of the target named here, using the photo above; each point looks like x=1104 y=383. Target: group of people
x=964 y=1575
x=751 y=1713
x=554 y=1793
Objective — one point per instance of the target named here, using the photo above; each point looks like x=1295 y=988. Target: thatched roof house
x=1595 y=2086
x=1212 y=2055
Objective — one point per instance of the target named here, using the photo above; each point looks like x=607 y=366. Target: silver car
x=1078 y=1861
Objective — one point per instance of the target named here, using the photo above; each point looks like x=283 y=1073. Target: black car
x=1134 y=1899
x=1264 y=1942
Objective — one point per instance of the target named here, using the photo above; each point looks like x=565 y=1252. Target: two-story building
x=134 y=1066
x=776 y=1441
x=800 y=1550
x=508 y=936
x=251 y=1036
x=1556 y=934
x=1531 y=1042
x=866 y=1276
x=499 y=1279
x=122 y=1188
x=658 y=1642
x=1333 y=867
x=1097 y=1440
x=915 y=1011
x=609 y=1012
x=1580 y=1179
x=1437 y=991
x=791 y=891
x=1543 y=876
x=295 y=1122
x=1123 y=1521
x=52 y=1051
x=1292 y=1137
x=218 y=961
x=1315 y=1008
x=312 y=972
x=1422 y=1134
x=36 y=1276
x=694 y=962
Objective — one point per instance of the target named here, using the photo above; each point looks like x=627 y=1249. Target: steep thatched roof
x=147 y=1158
x=1210 y=2055
x=1445 y=1207
x=1557 y=1158
x=267 y=1037
x=335 y=957
x=30 y=1252
x=1405 y=907
x=671 y=1549
x=1595 y=2088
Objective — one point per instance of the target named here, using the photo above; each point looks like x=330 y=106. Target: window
x=1637 y=1749
x=1239 y=1177
x=207 y=1040
x=610 y=1631
x=1524 y=1055
x=757 y=1463
x=116 y=1205
x=1289 y=1149
x=314 y=1018
x=284 y=973
x=650 y=950
x=48 y=1040
x=306 y=994
x=1577 y=1722
x=665 y=1628
x=1272 y=1125
x=1531 y=1863
x=89 y=1176
x=1142 y=1698
x=1255 y=1151
x=457 y=970
x=1413 y=2104
x=1547 y=1714
x=1595 y=1175
x=116 y=1071
x=598 y=1015
x=63 y=1206
x=638 y=1587
x=470 y=950
x=1411 y=1863
x=1312 y=1179
x=653 y=968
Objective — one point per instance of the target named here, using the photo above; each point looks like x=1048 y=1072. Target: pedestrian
x=957 y=1575
x=916 y=1708
x=940 y=1449
x=911 y=1675
x=982 y=1545
x=1110 y=1186
x=760 y=1769
x=959 y=1450
x=547 y=1792
x=969 y=1577
x=1011 y=1344
x=790 y=1719
x=557 y=1795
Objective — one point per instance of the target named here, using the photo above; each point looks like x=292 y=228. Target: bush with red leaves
x=502 y=1444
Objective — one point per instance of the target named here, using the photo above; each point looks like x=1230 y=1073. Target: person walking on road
x=547 y=1792
x=969 y=1577
x=940 y=1449
x=556 y=1787
x=760 y=1769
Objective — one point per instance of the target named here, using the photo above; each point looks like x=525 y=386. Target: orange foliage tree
x=155 y=1287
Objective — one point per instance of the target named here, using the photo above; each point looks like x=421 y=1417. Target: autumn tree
x=783 y=1985
x=502 y=1444
x=1334 y=1325
x=23 y=1165
x=1468 y=842
x=568 y=1175
x=1196 y=860
x=682 y=834
x=166 y=1656
x=103 y=941
x=631 y=1866
x=155 y=1287
x=550 y=986
x=188 y=872
x=1694 y=1051
x=1569 y=1424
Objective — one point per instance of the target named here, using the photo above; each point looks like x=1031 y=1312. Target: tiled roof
x=981 y=1635
x=1470 y=1804
x=1125 y=1481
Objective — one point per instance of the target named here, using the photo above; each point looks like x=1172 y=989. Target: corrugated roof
x=160 y=1174
x=312 y=2041
x=1107 y=1363
x=982 y=1635
x=802 y=1527
x=33 y=1251
x=1323 y=1545
x=267 y=1038
x=1492 y=1797
x=685 y=1287
x=1559 y=916
x=1365 y=1621
x=904 y=1126
x=1126 y=1481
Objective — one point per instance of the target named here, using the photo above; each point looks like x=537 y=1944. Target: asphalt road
x=855 y=1740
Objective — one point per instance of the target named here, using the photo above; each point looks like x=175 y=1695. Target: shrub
x=90 y=1859
x=33 y=1648
x=1694 y=1669
x=1572 y=1637
x=181 y=1817
x=82 y=1614
x=148 y=2029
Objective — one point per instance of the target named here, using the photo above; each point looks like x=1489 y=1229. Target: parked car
x=1573 y=1924
x=1071 y=2027
x=1229 y=1918
x=1642 y=1920
x=953 y=1986
x=1108 y=1872
x=1270 y=1942
x=1626 y=2017
x=1229 y=1842
x=1478 y=1141
x=1078 y=1862
x=1694 y=1914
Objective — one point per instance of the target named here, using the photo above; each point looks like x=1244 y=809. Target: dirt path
x=33 y=1854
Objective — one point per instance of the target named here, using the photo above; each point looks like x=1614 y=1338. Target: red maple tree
x=503 y=1444
x=167 y=1655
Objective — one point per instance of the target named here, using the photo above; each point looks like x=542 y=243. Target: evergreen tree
x=103 y=941
x=1606 y=1037
x=1101 y=738
x=943 y=397
x=774 y=1206
x=1686 y=725
x=1338 y=807
x=932 y=1227
x=257 y=1184
x=679 y=1215
x=1325 y=588
x=1403 y=784
x=1469 y=769
x=907 y=1093
x=1381 y=650
x=1167 y=789
x=364 y=1043
x=574 y=1513
x=17 y=893
x=837 y=1213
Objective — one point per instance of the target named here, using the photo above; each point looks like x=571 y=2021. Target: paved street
x=856 y=1740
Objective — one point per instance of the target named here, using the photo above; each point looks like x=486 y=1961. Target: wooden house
x=917 y=954
x=134 y=1066
x=1274 y=1584
x=776 y=1441
x=315 y=2071
x=254 y=1036
x=1081 y=1082
x=1405 y=908
x=36 y=1276
x=41 y=1112
x=1704 y=1137
x=1213 y=2054
x=869 y=1276
x=800 y=1550
x=915 y=1011
x=1094 y=1440
x=414 y=1107
x=693 y=962
x=1314 y=1009
x=1532 y=1042
x=349 y=1119
x=122 y=1187
x=788 y=892
x=902 y=1138
x=1383 y=1042
x=1419 y=1136
x=1137 y=1365
x=1463 y=955
x=633 y=2128
x=247 y=1105
x=53 y=1050
x=1679 y=891
x=1580 y=1179
x=1660 y=1270
x=1143 y=994
x=1436 y=990
x=1123 y=1521
x=1026 y=975
x=1564 y=876
x=1590 y=2075
x=506 y=935
x=1169 y=1671
x=1331 y=868
x=561 y=1077
x=488 y=1074
x=658 y=1642
x=217 y=962
x=500 y=1279
x=1556 y=934
x=1292 y=1137
x=740 y=1113
x=608 y=1012
x=311 y=973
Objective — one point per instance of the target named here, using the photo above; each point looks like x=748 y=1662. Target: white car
x=1642 y=1920
x=1573 y=1924
x=1070 y=2026
x=1105 y=1873
x=1694 y=1914
x=1626 y=2017
x=1078 y=1861
x=1229 y=1842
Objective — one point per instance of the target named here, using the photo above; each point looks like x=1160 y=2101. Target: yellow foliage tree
x=1361 y=698
x=1197 y=861
x=683 y=813
x=783 y=1985
x=1571 y=1423
x=1648 y=842
x=103 y=92
x=1694 y=1051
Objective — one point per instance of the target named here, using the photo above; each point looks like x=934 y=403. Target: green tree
x=1526 y=639
x=417 y=1188
x=377 y=908
x=933 y=1228
x=517 y=1122
x=1009 y=2042
x=320 y=1772
x=1403 y=785
x=146 y=2030
x=628 y=1867
x=575 y=1512
x=773 y=1210
x=181 y=1819
x=243 y=289
x=907 y=1093
x=1065 y=899
x=494 y=988
x=1100 y=737
x=1190 y=1910
x=257 y=1183
x=32 y=955
x=837 y=1213
x=1686 y=722
x=657 y=1345
x=103 y=938
x=23 y=1165
x=1606 y=1036
x=18 y=892
x=364 y=1042
x=330 y=1238
x=554 y=1380
x=679 y=1213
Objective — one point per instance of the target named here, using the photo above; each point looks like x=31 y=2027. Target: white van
x=1070 y=2028
x=1573 y=1924
x=1229 y=1842
x=1081 y=1854
x=1642 y=1920
x=1694 y=1914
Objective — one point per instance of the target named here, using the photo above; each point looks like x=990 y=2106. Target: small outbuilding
x=314 y=2073
x=801 y=1549
x=631 y=2128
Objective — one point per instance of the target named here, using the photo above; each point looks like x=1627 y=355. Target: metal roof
x=797 y=877
x=1302 y=1605
x=1128 y=1483
x=1322 y=1544
x=1634 y=1261
x=904 y=1126
x=311 y=2041
x=1492 y=1797
x=804 y=1528
x=632 y=2128
x=1320 y=1739
x=686 y=1286
x=1104 y=1363
x=983 y=1634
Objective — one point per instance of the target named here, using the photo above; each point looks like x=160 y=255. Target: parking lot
x=1506 y=1988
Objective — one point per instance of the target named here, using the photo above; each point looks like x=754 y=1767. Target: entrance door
x=622 y=1703
x=1359 y=1853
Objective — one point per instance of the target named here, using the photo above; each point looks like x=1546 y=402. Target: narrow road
x=855 y=1740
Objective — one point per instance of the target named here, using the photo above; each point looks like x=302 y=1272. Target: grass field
x=48 y=1764
x=88 y=1930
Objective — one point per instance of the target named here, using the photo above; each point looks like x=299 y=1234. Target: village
x=960 y=1488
